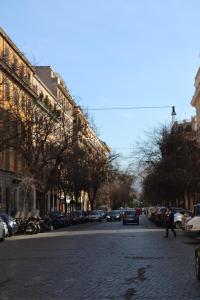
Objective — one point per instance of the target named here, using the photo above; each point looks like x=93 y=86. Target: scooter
x=32 y=226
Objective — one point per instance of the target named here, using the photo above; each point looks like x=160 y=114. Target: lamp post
x=68 y=200
x=173 y=114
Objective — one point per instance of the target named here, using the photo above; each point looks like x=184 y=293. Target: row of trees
x=119 y=190
x=44 y=146
x=46 y=152
x=170 y=165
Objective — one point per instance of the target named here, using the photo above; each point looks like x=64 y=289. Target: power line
x=129 y=108
x=124 y=148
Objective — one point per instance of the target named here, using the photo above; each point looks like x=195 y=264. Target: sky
x=115 y=54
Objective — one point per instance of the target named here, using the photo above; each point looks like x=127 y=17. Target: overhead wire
x=129 y=108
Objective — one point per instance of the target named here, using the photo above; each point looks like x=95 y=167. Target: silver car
x=95 y=215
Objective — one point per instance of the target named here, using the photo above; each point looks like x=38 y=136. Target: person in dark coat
x=169 y=222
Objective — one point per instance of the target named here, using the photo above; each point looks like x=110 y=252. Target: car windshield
x=6 y=218
x=55 y=213
x=130 y=212
x=114 y=212
x=95 y=213
x=175 y=210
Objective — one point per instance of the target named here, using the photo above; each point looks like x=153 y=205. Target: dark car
x=58 y=219
x=78 y=216
x=131 y=216
x=113 y=215
x=10 y=222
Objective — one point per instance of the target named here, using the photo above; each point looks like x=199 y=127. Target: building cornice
x=8 y=70
x=17 y=50
x=67 y=95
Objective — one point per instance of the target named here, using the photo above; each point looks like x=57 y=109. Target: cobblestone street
x=99 y=261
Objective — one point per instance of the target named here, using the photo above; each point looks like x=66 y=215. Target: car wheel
x=10 y=232
x=178 y=225
x=3 y=237
x=197 y=265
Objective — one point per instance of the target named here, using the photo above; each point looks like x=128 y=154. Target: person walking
x=169 y=222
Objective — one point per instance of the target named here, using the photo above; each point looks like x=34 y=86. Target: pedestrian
x=169 y=222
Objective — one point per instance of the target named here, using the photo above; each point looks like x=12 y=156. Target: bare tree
x=173 y=173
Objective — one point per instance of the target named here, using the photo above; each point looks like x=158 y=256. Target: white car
x=2 y=231
x=178 y=217
x=181 y=218
x=193 y=225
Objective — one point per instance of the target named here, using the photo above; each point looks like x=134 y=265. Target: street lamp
x=68 y=200
x=173 y=114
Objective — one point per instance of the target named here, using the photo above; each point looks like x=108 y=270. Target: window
x=28 y=106
x=6 y=54
x=22 y=71
x=7 y=89
x=23 y=103
x=28 y=77
x=14 y=65
x=15 y=97
x=7 y=159
x=1 y=197
x=15 y=162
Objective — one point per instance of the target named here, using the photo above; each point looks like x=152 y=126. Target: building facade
x=23 y=85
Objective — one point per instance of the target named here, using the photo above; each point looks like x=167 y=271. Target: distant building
x=196 y=102
x=188 y=127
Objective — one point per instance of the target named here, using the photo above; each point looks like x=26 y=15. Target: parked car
x=151 y=213
x=58 y=219
x=46 y=224
x=5 y=229
x=186 y=218
x=159 y=215
x=113 y=215
x=95 y=215
x=130 y=216
x=10 y=222
x=78 y=217
x=102 y=212
x=83 y=216
x=180 y=217
x=2 y=230
x=193 y=224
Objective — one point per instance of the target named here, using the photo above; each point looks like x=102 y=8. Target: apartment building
x=87 y=139
x=16 y=76
x=196 y=101
x=22 y=86
x=75 y=119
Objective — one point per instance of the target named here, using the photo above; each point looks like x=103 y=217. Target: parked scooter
x=33 y=225
x=21 y=225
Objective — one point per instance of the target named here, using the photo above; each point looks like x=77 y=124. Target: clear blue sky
x=114 y=53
